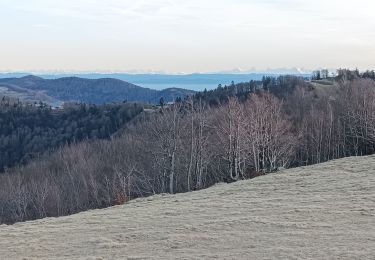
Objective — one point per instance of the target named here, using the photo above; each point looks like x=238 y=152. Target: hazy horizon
x=175 y=36
x=196 y=82
x=234 y=71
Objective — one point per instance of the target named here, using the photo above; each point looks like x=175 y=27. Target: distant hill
x=93 y=91
x=196 y=81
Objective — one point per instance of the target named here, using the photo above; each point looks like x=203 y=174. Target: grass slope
x=325 y=211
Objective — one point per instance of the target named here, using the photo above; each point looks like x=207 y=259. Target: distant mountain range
x=196 y=82
x=88 y=90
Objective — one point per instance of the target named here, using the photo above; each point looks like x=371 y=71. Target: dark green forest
x=26 y=131
x=279 y=86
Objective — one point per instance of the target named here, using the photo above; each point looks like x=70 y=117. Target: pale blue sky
x=185 y=36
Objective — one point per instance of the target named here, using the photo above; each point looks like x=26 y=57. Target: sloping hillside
x=325 y=211
x=325 y=88
x=93 y=91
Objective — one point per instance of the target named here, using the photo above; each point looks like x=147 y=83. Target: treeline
x=279 y=86
x=343 y=74
x=346 y=74
x=26 y=131
x=191 y=145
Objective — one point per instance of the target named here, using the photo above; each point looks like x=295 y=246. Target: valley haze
x=195 y=81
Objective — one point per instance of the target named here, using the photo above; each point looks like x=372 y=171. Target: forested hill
x=91 y=91
x=28 y=131
x=280 y=86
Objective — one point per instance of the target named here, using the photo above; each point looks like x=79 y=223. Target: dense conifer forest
x=27 y=131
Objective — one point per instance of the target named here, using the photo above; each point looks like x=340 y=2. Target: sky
x=180 y=36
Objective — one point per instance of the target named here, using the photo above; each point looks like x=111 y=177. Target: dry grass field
x=325 y=211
